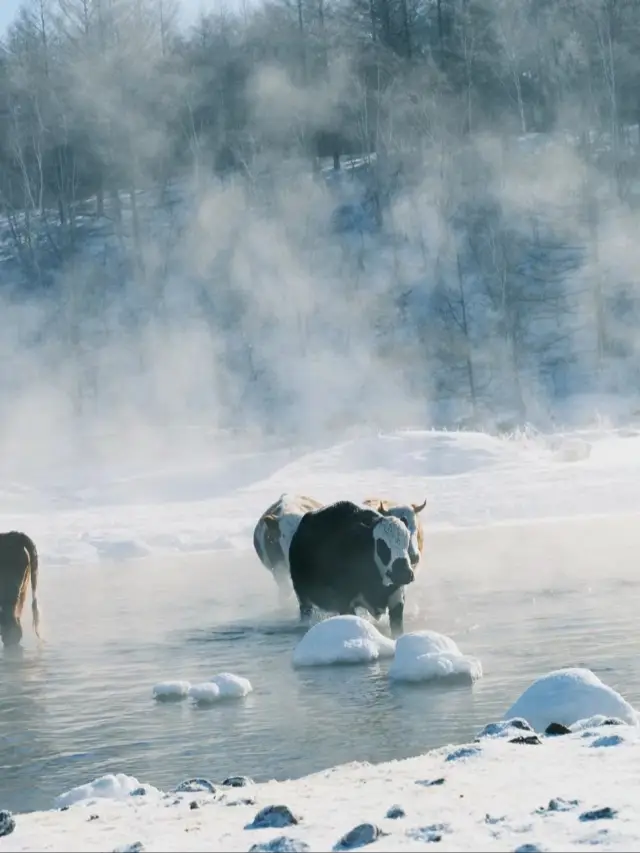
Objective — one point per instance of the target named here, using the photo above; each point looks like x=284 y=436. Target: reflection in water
x=524 y=600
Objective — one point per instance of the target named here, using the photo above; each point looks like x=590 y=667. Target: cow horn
x=381 y=507
x=419 y=507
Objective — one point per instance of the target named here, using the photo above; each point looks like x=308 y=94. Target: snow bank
x=425 y=655
x=525 y=793
x=568 y=695
x=342 y=640
x=171 y=691
x=116 y=786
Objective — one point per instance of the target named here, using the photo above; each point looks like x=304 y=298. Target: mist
x=282 y=224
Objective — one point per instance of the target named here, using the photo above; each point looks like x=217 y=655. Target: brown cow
x=18 y=567
x=409 y=516
x=274 y=531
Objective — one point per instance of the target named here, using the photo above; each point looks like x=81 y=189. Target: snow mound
x=116 y=786
x=232 y=686
x=204 y=694
x=341 y=640
x=567 y=696
x=168 y=691
x=425 y=655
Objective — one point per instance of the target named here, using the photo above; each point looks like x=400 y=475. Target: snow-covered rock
x=425 y=655
x=567 y=696
x=342 y=640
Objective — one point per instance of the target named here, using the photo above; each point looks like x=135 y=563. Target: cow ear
x=270 y=520
x=417 y=508
x=383 y=551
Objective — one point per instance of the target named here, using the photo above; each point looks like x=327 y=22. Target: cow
x=18 y=567
x=273 y=533
x=344 y=555
x=409 y=516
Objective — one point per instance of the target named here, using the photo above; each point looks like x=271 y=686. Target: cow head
x=408 y=515
x=391 y=552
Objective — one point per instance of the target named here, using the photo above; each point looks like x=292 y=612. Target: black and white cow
x=344 y=556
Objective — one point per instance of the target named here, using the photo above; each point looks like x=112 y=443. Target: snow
x=204 y=694
x=226 y=685
x=232 y=686
x=342 y=640
x=139 y=508
x=116 y=786
x=166 y=691
x=562 y=794
x=567 y=696
x=427 y=655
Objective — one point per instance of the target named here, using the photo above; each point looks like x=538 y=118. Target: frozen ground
x=211 y=502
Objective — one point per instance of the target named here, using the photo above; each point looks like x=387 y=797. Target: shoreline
x=509 y=789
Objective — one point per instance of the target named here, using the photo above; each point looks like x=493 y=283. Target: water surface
x=523 y=598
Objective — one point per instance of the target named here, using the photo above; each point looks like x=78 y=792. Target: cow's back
x=331 y=544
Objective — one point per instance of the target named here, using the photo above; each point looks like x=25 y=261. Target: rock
x=528 y=739
x=93 y=817
x=359 y=836
x=558 y=804
x=395 y=812
x=281 y=844
x=7 y=823
x=463 y=752
x=243 y=801
x=274 y=816
x=613 y=721
x=237 y=782
x=138 y=792
x=608 y=740
x=136 y=847
x=503 y=728
x=430 y=834
x=554 y=729
x=195 y=786
x=194 y=805
x=430 y=783
x=606 y=813
x=528 y=848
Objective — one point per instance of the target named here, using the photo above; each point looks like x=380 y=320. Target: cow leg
x=282 y=579
x=306 y=610
x=396 y=612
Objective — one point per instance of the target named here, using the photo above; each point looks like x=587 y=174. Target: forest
x=438 y=198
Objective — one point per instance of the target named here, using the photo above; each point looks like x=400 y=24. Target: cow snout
x=401 y=572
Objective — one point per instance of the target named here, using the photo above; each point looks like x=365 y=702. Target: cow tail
x=32 y=551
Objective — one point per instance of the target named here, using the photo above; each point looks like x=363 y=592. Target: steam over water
x=524 y=599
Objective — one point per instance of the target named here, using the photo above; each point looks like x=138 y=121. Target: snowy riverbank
x=511 y=789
